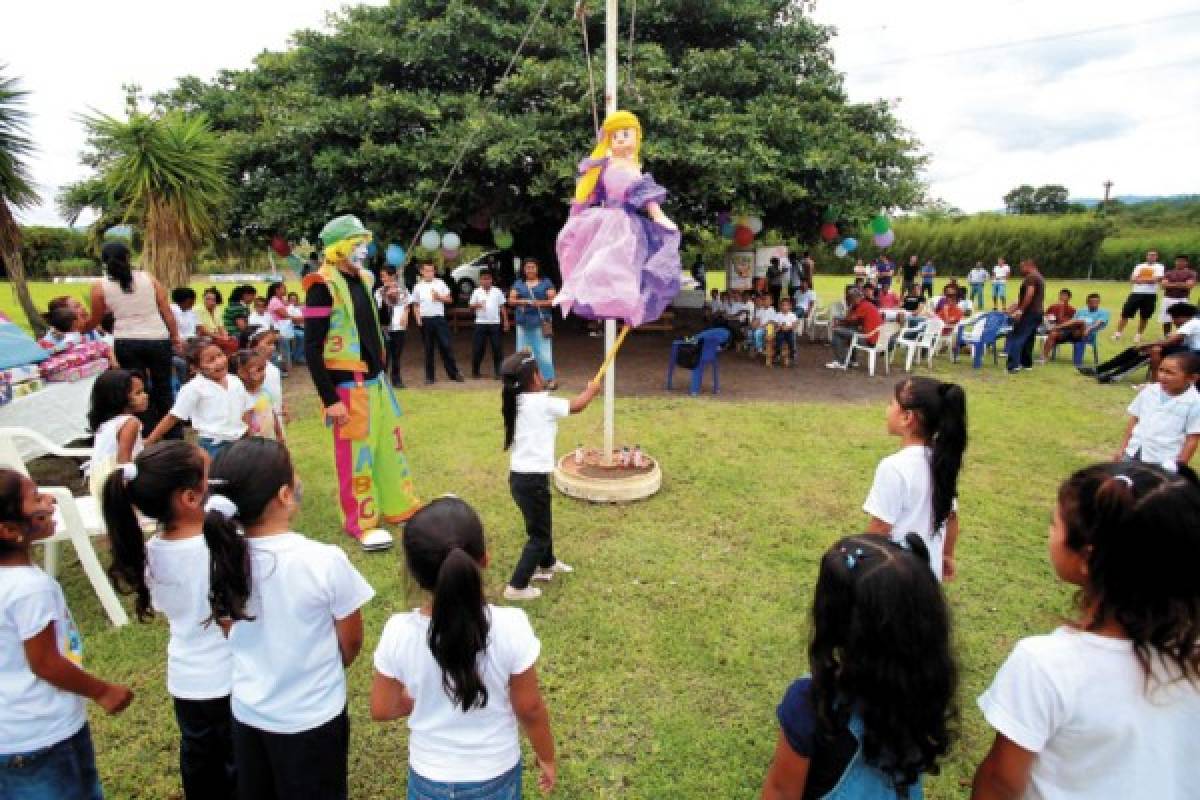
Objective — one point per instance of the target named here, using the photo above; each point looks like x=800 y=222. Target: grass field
x=665 y=654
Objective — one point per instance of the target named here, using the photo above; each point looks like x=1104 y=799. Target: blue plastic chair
x=995 y=327
x=711 y=342
x=1079 y=349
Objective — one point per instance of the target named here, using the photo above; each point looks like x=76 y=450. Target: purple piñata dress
x=616 y=262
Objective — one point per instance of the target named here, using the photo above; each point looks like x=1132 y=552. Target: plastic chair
x=819 y=321
x=985 y=332
x=1079 y=349
x=928 y=339
x=711 y=341
x=883 y=341
x=76 y=519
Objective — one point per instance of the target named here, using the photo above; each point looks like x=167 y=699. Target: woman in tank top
x=144 y=328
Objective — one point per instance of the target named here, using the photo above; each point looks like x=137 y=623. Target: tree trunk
x=10 y=251
x=169 y=247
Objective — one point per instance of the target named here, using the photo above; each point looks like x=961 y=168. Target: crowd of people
x=264 y=621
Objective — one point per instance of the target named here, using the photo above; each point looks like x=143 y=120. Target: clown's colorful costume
x=345 y=351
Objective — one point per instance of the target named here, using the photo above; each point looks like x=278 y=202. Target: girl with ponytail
x=460 y=669
x=916 y=489
x=169 y=573
x=292 y=610
x=1107 y=705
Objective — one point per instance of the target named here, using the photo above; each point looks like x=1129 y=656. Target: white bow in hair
x=222 y=505
x=129 y=471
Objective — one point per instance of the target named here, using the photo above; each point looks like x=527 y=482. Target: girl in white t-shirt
x=460 y=669
x=214 y=401
x=45 y=744
x=291 y=607
x=1108 y=705
x=169 y=573
x=117 y=396
x=531 y=416
x=916 y=489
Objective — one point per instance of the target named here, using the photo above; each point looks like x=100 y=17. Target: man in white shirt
x=804 y=299
x=1143 y=297
x=431 y=295
x=976 y=278
x=395 y=303
x=491 y=317
x=1000 y=274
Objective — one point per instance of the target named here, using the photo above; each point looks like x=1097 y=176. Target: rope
x=581 y=13
x=467 y=140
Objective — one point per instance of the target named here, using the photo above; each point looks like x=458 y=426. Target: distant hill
x=1137 y=199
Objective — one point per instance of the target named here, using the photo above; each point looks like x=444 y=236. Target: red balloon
x=743 y=236
x=281 y=247
x=829 y=231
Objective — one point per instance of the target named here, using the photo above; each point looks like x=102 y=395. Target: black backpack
x=688 y=354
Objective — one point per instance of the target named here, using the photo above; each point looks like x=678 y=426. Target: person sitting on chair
x=785 y=332
x=1081 y=325
x=861 y=317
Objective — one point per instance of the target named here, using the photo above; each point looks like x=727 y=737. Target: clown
x=346 y=359
x=615 y=261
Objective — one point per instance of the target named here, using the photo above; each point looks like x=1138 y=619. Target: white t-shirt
x=404 y=299
x=287 y=668
x=977 y=275
x=446 y=744
x=1163 y=423
x=538 y=414
x=185 y=321
x=1144 y=271
x=902 y=496
x=492 y=300
x=764 y=316
x=33 y=713
x=273 y=386
x=786 y=320
x=747 y=308
x=805 y=300
x=1079 y=702
x=1000 y=273
x=104 y=451
x=256 y=320
x=423 y=294
x=199 y=664
x=215 y=411
x=1190 y=331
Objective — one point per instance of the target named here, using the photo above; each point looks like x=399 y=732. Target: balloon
x=723 y=218
x=727 y=230
x=880 y=225
x=755 y=224
x=743 y=236
x=449 y=254
x=885 y=239
x=395 y=255
x=430 y=240
x=451 y=241
x=829 y=232
x=849 y=245
x=830 y=215
x=372 y=249
x=280 y=246
x=840 y=251
x=503 y=239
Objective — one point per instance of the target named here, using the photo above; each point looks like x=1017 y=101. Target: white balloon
x=431 y=240
x=451 y=241
x=755 y=224
x=840 y=251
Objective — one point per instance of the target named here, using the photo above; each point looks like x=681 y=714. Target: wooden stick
x=612 y=354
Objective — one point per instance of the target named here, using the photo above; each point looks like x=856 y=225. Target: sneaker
x=543 y=575
x=375 y=540
x=559 y=566
x=1089 y=372
x=1042 y=361
x=459 y=377
x=835 y=365
x=1105 y=378
x=1014 y=371
x=528 y=593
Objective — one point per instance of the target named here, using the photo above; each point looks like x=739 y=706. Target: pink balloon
x=885 y=239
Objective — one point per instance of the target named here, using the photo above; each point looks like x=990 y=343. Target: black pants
x=151 y=359
x=436 y=333
x=310 y=765
x=395 y=349
x=531 y=491
x=483 y=335
x=205 y=748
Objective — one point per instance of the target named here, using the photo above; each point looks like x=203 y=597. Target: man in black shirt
x=1027 y=318
x=346 y=358
x=909 y=274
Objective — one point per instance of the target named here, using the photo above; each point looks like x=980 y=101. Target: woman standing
x=143 y=326
x=531 y=297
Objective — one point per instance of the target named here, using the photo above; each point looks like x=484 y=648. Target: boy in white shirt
x=804 y=300
x=491 y=318
x=785 y=332
x=395 y=303
x=1000 y=274
x=215 y=402
x=764 y=315
x=430 y=296
x=1164 y=419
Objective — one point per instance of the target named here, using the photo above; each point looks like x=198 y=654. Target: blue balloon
x=727 y=230
x=395 y=255
x=371 y=249
x=850 y=245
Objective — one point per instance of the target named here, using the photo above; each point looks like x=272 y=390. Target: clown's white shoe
x=376 y=539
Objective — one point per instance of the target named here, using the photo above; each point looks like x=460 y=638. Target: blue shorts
x=63 y=771
x=503 y=787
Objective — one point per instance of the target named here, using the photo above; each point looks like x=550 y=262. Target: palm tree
x=16 y=189
x=168 y=172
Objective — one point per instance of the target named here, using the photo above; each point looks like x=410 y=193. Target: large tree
x=740 y=100
x=16 y=190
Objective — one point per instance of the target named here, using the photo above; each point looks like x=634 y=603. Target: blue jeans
x=977 y=296
x=531 y=338
x=1021 y=341
x=297 y=343
x=504 y=787
x=62 y=771
x=211 y=446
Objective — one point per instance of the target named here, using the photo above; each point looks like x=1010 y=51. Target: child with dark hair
x=531 y=418
x=878 y=710
x=61 y=333
x=45 y=743
x=118 y=396
x=292 y=609
x=1164 y=419
x=215 y=402
x=169 y=573
x=462 y=670
x=916 y=489
x=1107 y=705
x=266 y=344
x=251 y=366
x=241 y=301
x=183 y=299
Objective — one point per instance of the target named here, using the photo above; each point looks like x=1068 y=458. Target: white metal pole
x=610 y=326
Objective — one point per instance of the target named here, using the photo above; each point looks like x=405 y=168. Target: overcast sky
x=999 y=92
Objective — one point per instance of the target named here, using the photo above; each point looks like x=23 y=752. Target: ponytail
x=115 y=257
x=458 y=630
x=229 y=567
x=443 y=549
x=942 y=411
x=516 y=373
x=148 y=485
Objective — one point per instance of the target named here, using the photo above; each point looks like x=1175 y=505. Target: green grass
x=665 y=654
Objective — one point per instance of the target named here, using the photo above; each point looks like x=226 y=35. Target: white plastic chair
x=927 y=339
x=76 y=519
x=824 y=321
x=885 y=333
